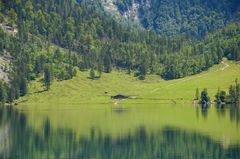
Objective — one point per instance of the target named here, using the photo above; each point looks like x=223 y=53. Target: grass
x=81 y=104
x=82 y=90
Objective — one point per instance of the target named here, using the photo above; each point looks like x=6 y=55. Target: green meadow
x=82 y=90
x=82 y=104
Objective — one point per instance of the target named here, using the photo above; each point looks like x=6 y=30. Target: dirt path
x=226 y=65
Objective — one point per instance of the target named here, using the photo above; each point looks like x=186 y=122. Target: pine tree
x=70 y=72
x=143 y=70
x=220 y=54
x=57 y=54
x=100 y=67
x=74 y=71
x=23 y=86
x=232 y=94
x=237 y=98
x=13 y=16
x=11 y=94
x=197 y=94
x=2 y=92
x=217 y=97
x=92 y=74
x=129 y=70
x=47 y=77
x=107 y=64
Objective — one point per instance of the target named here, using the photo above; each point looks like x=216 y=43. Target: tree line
x=221 y=97
x=33 y=59
x=103 y=43
x=56 y=38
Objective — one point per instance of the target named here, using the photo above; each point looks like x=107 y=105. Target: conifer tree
x=232 y=94
x=237 y=98
x=11 y=94
x=2 y=92
x=197 y=94
x=107 y=64
x=92 y=74
x=47 y=77
x=23 y=86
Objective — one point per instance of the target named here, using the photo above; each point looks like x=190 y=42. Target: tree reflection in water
x=23 y=142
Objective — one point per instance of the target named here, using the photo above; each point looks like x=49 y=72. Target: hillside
x=82 y=90
x=119 y=79
x=58 y=38
x=173 y=17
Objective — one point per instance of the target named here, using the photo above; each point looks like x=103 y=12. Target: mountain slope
x=82 y=90
x=94 y=41
x=172 y=17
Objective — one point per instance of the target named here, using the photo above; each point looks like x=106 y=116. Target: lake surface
x=140 y=131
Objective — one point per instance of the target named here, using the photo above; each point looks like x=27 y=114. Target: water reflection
x=221 y=111
x=205 y=111
x=18 y=140
x=235 y=115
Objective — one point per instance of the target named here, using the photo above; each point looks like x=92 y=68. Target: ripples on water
x=18 y=140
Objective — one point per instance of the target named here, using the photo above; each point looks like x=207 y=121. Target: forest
x=56 y=38
x=194 y=17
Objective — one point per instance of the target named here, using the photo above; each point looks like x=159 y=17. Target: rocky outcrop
x=4 y=68
x=132 y=11
x=110 y=6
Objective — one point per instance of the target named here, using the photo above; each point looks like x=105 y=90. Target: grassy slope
x=76 y=104
x=152 y=90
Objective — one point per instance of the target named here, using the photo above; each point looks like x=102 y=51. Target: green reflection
x=19 y=140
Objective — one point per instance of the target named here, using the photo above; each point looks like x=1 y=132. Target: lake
x=123 y=131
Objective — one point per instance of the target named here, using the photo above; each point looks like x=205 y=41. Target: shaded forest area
x=173 y=17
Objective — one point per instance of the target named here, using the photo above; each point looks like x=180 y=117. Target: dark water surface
x=163 y=132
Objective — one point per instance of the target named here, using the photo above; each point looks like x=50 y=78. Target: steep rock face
x=130 y=16
x=4 y=69
x=127 y=9
x=110 y=6
x=134 y=10
x=172 y=17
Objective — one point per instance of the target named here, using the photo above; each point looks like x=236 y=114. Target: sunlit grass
x=81 y=89
x=81 y=104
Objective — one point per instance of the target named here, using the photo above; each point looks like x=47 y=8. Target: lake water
x=141 y=131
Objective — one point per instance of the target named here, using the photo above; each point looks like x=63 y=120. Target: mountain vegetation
x=56 y=38
x=194 y=17
x=233 y=96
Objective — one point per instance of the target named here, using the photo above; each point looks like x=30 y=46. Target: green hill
x=86 y=38
x=81 y=104
x=81 y=89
